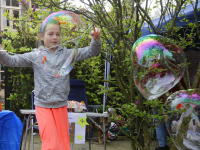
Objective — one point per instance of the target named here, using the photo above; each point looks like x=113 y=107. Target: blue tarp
x=11 y=129
x=189 y=13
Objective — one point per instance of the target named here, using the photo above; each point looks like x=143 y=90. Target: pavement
x=122 y=143
x=119 y=144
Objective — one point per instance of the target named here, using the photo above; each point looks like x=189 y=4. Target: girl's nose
x=55 y=36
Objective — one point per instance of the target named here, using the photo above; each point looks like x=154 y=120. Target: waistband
x=51 y=104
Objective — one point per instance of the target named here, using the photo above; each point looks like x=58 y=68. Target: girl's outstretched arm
x=17 y=60
x=3 y=51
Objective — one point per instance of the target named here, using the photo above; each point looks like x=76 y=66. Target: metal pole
x=71 y=146
x=0 y=72
x=6 y=88
x=32 y=138
x=104 y=133
x=26 y=132
x=89 y=137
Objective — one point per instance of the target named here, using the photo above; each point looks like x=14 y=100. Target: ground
x=122 y=143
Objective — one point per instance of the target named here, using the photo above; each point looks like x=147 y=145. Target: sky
x=78 y=3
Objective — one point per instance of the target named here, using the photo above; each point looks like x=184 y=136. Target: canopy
x=189 y=14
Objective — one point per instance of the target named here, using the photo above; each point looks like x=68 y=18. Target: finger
x=92 y=33
x=93 y=27
x=96 y=31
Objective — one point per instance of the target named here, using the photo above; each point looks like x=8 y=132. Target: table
x=11 y=129
x=89 y=115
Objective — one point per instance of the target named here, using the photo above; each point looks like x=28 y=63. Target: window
x=15 y=15
x=6 y=22
x=13 y=8
x=12 y=3
x=10 y=23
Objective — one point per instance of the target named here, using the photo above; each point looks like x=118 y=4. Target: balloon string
x=77 y=43
x=64 y=42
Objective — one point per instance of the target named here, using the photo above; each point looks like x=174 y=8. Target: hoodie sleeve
x=18 y=60
x=89 y=51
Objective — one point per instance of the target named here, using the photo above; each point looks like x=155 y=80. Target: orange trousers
x=53 y=128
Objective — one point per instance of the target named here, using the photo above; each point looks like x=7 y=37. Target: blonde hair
x=52 y=21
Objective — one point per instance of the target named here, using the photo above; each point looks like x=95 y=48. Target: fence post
x=7 y=106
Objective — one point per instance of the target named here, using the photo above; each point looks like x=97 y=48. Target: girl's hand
x=96 y=33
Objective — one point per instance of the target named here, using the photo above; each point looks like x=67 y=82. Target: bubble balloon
x=158 y=65
x=71 y=26
x=183 y=123
x=67 y=20
x=61 y=67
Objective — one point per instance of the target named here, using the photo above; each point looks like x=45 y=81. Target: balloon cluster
x=158 y=65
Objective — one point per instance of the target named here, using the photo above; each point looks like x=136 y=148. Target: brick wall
x=193 y=57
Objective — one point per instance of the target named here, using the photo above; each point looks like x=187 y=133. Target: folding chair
x=77 y=91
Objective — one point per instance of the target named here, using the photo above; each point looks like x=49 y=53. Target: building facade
x=13 y=8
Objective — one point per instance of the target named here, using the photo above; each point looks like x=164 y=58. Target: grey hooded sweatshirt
x=50 y=91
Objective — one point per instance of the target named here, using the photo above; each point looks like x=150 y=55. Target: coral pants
x=53 y=128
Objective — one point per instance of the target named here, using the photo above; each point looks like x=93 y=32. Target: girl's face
x=51 y=36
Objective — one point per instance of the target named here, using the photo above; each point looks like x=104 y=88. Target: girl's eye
x=50 y=34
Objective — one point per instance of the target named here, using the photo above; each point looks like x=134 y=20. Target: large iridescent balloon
x=158 y=65
x=71 y=26
x=183 y=123
x=67 y=20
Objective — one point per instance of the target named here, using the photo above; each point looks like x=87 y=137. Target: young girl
x=51 y=93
